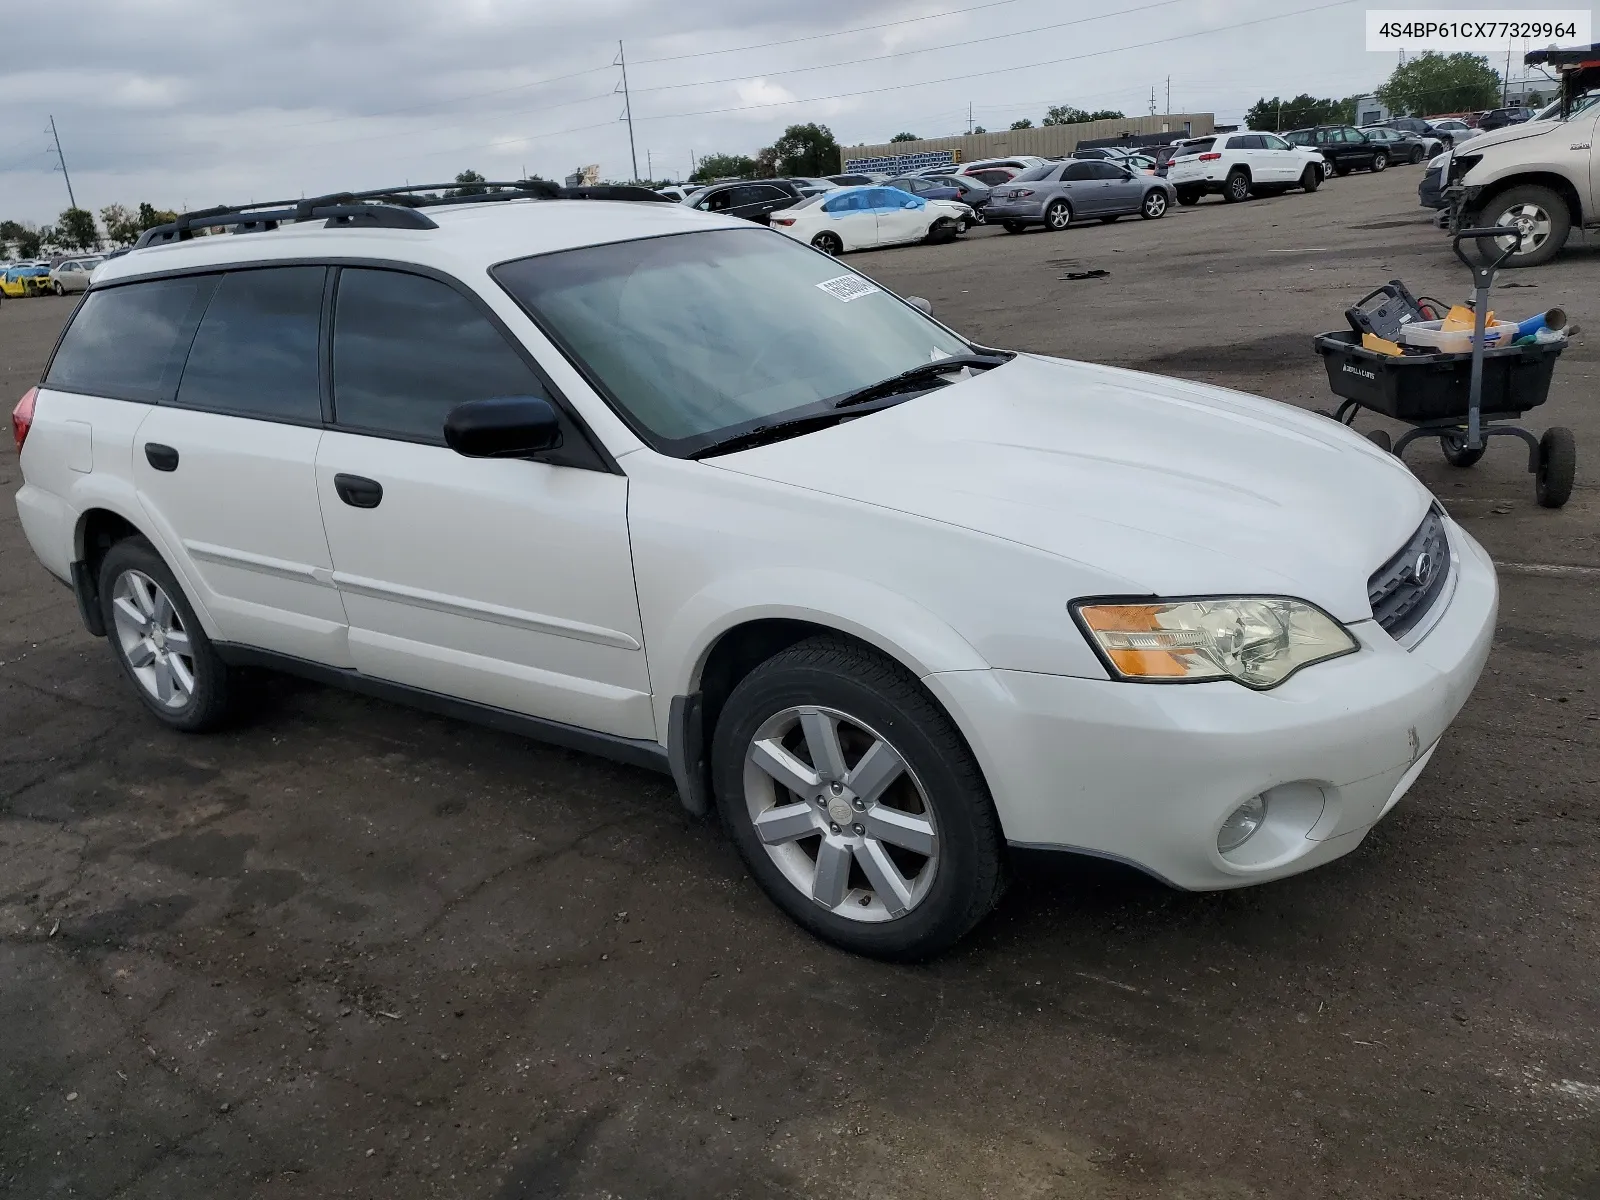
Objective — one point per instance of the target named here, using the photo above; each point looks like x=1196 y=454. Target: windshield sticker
x=847 y=288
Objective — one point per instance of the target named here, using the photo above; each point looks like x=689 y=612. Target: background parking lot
x=348 y=949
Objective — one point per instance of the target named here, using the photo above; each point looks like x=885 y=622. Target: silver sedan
x=1056 y=194
x=72 y=275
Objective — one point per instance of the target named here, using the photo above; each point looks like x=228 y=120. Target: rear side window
x=407 y=349
x=1247 y=141
x=128 y=342
x=255 y=353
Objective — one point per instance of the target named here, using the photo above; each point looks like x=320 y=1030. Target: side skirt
x=635 y=752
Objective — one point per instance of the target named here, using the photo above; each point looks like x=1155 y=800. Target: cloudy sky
x=190 y=105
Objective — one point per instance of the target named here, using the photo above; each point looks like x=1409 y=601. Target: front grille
x=1405 y=588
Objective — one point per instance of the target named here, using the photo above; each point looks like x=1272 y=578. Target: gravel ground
x=350 y=950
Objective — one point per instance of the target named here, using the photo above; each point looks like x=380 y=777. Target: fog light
x=1241 y=823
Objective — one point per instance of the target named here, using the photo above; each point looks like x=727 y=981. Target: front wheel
x=1311 y=178
x=1188 y=197
x=1154 y=206
x=1542 y=216
x=158 y=641
x=1416 y=155
x=1558 y=463
x=1380 y=161
x=855 y=803
x=58 y=289
x=828 y=243
x=1057 y=216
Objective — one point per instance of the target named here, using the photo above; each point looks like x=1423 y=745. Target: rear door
x=1084 y=187
x=852 y=219
x=226 y=470
x=758 y=201
x=507 y=582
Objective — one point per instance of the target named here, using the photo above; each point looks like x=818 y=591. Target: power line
x=854 y=62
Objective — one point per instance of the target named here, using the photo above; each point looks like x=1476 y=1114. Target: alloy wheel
x=1058 y=216
x=1155 y=204
x=152 y=639
x=840 y=813
x=1532 y=220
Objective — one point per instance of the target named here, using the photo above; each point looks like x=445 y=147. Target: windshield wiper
x=918 y=374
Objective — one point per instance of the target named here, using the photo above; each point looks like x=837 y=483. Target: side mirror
x=506 y=427
x=920 y=302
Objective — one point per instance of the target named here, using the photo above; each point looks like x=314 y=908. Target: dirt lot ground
x=349 y=950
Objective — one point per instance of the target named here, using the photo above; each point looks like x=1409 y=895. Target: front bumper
x=1147 y=774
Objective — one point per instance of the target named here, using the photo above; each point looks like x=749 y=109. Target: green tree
x=1432 y=83
x=27 y=237
x=766 y=163
x=723 y=166
x=1303 y=110
x=808 y=149
x=76 y=229
x=979 y=129
x=1025 y=123
x=905 y=137
x=1065 y=114
x=470 y=183
x=1535 y=100
x=122 y=226
x=150 y=216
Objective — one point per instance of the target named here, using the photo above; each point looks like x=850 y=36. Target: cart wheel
x=1381 y=439
x=1558 y=460
x=1456 y=452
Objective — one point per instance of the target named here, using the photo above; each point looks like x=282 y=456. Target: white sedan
x=862 y=217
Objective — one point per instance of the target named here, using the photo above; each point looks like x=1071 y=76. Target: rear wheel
x=855 y=803
x=1380 y=161
x=1311 y=178
x=1456 y=452
x=1237 y=187
x=1013 y=226
x=1341 y=169
x=158 y=642
x=828 y=243
x=1558 y=463
x=1057 y=216
x=1154 y=206
x=1188 y=197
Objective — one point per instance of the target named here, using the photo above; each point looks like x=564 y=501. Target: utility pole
x=627 y=107
x=1169 y=93
x=1505 y=81
x=62 y=160
x=1152 y=101
x=969 y=118
x=649 y=164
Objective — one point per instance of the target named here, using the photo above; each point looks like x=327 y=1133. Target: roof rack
x=388 y=208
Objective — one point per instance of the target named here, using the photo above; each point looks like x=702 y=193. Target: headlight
x=1258 y=641
x=1439 y=160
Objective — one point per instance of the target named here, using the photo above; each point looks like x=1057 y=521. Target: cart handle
x=1497 y=232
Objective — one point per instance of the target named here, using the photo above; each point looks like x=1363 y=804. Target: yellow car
x=25 y=279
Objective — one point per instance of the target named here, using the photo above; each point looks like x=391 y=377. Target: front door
x=1286 y=166
x=901 y=216
x=508 y=582
x=1123 y=192
x=226 y=468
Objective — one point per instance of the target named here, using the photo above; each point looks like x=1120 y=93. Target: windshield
x=698 y=337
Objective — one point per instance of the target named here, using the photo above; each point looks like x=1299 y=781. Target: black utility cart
x=1461 y=399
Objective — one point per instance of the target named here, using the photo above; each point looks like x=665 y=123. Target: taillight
x=1210 y=157
x=1020 y=192
x=22 y=417
x=783 y=220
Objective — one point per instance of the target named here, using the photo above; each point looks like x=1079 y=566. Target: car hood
x=1511 y=133
x=1152 y=485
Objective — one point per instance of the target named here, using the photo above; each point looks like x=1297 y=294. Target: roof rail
x=390 y=208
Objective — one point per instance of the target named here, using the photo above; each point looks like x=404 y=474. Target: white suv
x=677 y=489
x=1241 y=165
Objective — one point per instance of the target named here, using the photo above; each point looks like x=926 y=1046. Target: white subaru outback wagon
x=676 y=489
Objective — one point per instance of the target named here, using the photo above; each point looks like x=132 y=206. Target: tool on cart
x=1445 y=382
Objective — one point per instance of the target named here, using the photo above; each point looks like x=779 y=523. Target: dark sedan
x=754 y=200
x=975 y=193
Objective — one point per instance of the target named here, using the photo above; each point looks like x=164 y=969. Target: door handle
x=162 y=458
x=358 y=491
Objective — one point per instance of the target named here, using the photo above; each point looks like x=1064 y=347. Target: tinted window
x=1034 y=174
x=128 y=342
x=255 y=353
x=1274 y=142
x=755 y=195
x=1248 y=141
x=406 y=350
x=1198 y=146
x=1082 y=170
x=993 y=178
x=1107 y=170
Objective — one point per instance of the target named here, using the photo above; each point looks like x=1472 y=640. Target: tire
x=1380 y=162
x=1110 y=220
x=146 y=613
x=1542 y=215
x=1236 y=187
x=828 y=243
x=1416 y=156
x=937 y=799
x=1456 y=452
x=58 y=289
x=1311 y=178
x=1558 y=462
x=1381 y=439
x=1341 y=169
x=1188 y=197
x=1057 y=215
x=1013 y=226
x=1154 y=206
